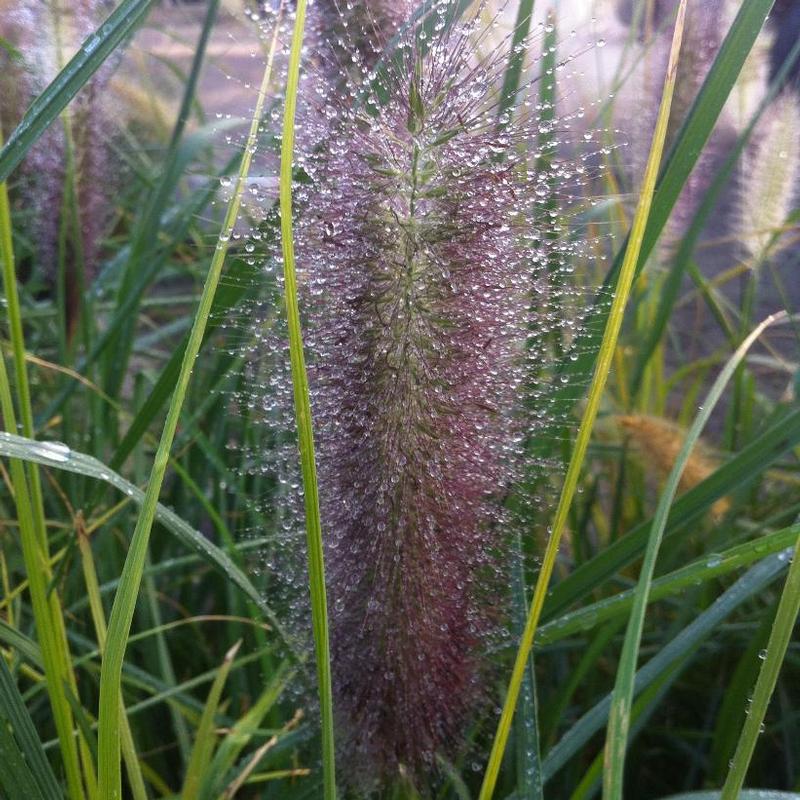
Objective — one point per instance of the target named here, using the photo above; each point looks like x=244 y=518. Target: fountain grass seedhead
x=433 y=262
x=430 y=256
x=659 y=441
x=705 y=27
x=72 y=156
x=349 y=36
x=769 y=179
x=753 y=81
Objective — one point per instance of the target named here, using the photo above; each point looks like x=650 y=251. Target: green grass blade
x=746 y=794
x=239 y=279
x=15 y=774
x=305 y=433
x=205 y=737
x=778 y=643
x=14 y=716
x=744 y=468
x=21 y=643
x=601 y=371
x=643 y=708
x=54 y=99
x=704 y=569
x=125 y=599
x=526 y=722
x=705 y=625
x=670 y=291
x=620 y=716
x=679 y=164
x=241 y=734
x=145 y=237
x=153 y=266
x=58 y=456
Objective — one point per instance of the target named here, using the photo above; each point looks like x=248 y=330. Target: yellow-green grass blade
x=28 y=497
x=135 y=777
x=125 y=600
x=602 y=367
x=302 y=407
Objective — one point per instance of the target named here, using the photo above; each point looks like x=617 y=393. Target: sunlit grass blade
x=54 y=99
x=302 y=407
x=125 y=599
x=679 y=164
x=780 y=637
x=619 y=719
x=685 y=643
x=601 y=370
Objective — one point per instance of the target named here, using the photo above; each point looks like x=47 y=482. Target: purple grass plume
x=429 y=258
x=48 y=34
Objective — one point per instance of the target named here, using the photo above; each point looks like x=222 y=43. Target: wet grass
x=669 y=614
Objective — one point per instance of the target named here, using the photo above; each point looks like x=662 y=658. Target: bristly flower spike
x=769 y=178
x=425 y=268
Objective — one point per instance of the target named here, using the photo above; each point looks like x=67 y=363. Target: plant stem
x=779 y=638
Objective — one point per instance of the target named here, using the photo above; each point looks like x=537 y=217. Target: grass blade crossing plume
x=302 y=407
x=424 y=268
x=125 y=598
x=602 y=368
